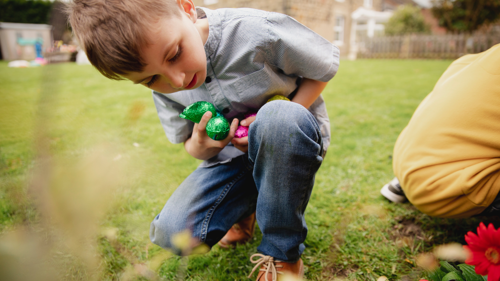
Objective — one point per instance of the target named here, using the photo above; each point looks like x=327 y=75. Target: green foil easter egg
x=195 y=111
x=217 y=128
x=277 y=97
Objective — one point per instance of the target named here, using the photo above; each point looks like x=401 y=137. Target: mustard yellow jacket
x=448 y=157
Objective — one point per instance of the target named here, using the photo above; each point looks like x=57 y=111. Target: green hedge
x=25 y=11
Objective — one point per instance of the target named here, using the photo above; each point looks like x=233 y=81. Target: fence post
x=405 y=47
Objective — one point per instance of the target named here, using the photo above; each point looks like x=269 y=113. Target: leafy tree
x=407 y=19
x=466 y=15
x=25 y=11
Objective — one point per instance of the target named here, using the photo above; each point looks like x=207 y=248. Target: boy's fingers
x=240 y=141
x=203 y=122
x=232 y=130
x=234 y=126
x=248 y=121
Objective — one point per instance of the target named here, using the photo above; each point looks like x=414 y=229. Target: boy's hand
x=242 y=143
x=200 y=145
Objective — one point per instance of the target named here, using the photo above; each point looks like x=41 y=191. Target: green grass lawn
x=85 y=166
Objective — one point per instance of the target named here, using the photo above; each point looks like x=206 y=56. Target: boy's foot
x=273 y=270
x=240 y=233
x=393 y=191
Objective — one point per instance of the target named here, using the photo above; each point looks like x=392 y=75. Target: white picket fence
x=425 y=46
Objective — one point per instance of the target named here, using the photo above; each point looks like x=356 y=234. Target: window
x=368 y=3
x=339 y=29
x=210 y=2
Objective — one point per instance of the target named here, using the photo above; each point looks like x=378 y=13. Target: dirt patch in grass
x=406 y=228
x=339 y=271
x=435 y=231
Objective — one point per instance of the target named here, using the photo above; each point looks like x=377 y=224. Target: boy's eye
x=152 y=81
x=177 y=55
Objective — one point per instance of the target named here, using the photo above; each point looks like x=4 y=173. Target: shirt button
x=225 y=110
x=208 y=79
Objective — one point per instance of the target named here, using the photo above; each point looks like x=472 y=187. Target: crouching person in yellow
x=447 y=159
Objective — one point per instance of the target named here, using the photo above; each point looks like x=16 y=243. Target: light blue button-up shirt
x=252 y=55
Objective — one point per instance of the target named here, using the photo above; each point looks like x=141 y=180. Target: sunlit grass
x=63 y=124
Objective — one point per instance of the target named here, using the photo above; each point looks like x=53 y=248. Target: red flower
x=484 y=251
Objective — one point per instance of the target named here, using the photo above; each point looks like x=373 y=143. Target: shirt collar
x=214 y=30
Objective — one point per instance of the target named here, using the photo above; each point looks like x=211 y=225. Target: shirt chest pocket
x=254 y=89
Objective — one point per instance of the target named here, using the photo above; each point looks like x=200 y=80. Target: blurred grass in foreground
x=85 y=166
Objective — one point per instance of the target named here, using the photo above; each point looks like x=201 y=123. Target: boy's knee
x=159 y=233
x=162 y=231
x=278 y=116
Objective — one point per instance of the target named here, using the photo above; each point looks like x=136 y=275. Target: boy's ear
x=187 y=7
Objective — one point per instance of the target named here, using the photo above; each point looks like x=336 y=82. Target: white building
x=17 y=40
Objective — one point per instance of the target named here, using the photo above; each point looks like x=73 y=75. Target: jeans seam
x=208 y=217
x=303 y=200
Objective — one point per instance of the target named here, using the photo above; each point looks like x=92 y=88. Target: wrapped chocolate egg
x=277 y=97
x=242 y=131
x=195 y=111
x=217 y=128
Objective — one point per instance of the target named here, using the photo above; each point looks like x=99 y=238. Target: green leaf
x=453 y=276
x=437 y=275
x=469 y=273
x=447 y=267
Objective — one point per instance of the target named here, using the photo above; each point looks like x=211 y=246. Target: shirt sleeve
x=299 y=51
x=178 y=130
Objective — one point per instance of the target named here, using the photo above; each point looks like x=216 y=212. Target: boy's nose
x=177 y=82
x=175 y=79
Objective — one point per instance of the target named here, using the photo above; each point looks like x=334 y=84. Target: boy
x=448 y=157
x=236 y=59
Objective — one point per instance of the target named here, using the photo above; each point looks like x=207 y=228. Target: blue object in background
x=38 y=49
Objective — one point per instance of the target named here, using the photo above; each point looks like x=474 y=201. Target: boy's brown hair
x=111 y=32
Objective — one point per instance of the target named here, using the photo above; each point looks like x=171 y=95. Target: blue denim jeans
x=275 y=179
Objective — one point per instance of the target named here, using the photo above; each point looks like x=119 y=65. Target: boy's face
x=175 y=59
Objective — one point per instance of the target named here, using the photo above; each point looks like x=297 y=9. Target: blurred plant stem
x=70 y=194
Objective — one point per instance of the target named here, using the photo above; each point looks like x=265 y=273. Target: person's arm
x=309 y=90
x=289 y=49
x=201 y=146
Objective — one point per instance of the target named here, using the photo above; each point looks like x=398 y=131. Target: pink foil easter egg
x=241 y=132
